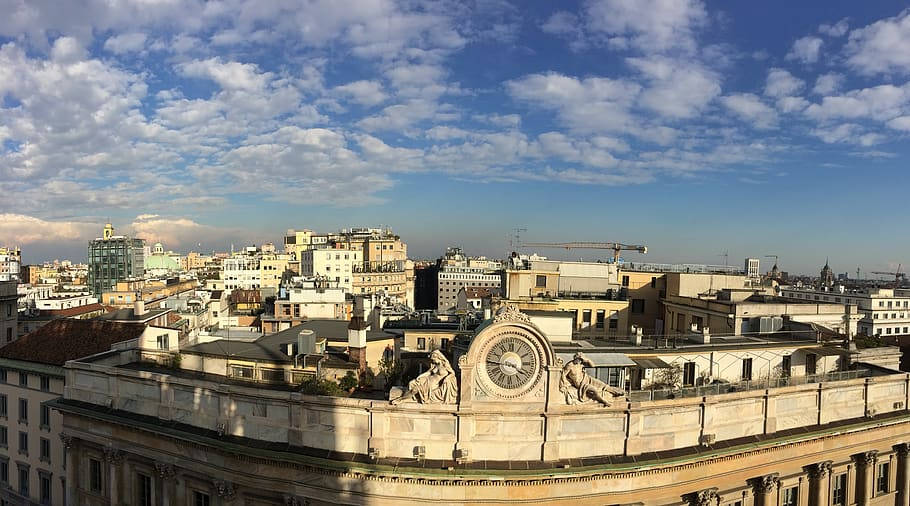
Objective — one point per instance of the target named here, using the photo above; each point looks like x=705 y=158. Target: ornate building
x=826 y=278
x=506 y=420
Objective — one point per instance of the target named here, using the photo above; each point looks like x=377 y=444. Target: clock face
x=512 y=363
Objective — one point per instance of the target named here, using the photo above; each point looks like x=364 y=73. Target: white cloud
x=792 y=104
x=881 y=103
x=750 y=108
x=68 y=50
x=228 y=75
x=363 y=92
x=20 y=229
x=902 y=123
x=125 y=43
x=836 y=30
x=827 y=84
x=806 y=50
x=781 y=83
x=676 y=89
x=648 y=25
x=882 y=47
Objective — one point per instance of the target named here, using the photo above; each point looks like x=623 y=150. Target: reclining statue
x=437 y=385
x=578 y=386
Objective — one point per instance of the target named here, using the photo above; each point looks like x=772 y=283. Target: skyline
x=692 y=127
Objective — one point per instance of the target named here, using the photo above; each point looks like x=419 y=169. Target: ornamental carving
x=435 y=386
x=67 y=440
x=707 y=497
x=113 y=456
x=765 y=484
x=165 y=471
x=579 y=386
x=819 y=470
x=866 y=458
x=903 y=449
x=511 y=313
x=292 y=500
x=224 y=489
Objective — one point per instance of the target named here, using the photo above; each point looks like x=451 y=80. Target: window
x=653 y=282
x=45 y=448
x=23 y=410
x=689 y=373
x=45 y=384
x=243 y=372
x=586 y=318
x=601 y=316
x=421 y=343
x=811 y=359
x=44 y=487
x=23 y=379
x=4 y=436
x=625 y=281
x=45 y=417
x=23 y=480
x=4 y=470
x=839 y=490
x=747 y=369
x=638 y=306
x=144 y=489
x=23 y=443
x=201 y=499
x=541 y=281
x=882 y=478
x=790 y=496
x=94 y=475
x=2 y=375
x=785 y=364
x=3 y=405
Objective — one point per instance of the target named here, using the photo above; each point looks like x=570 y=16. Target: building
x=9 y=312
x=426 y=286
x=241 y=271
x=336 y=265
x=486 y=427
x=271 y=270
x=32 y=455
x=884 y=311
x=151 y=292
x=33 y=319
x=112 y=258
x=157 y=317
x=472 y=298
x=305 y=299
x=162 y=263
x=10 y=264
x=752 y=268
x=456 y=271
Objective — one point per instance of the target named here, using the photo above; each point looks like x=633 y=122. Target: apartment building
x=9 y=312
x=884 y=311
x=10 y=264
x=241 y=272
x=336 y=265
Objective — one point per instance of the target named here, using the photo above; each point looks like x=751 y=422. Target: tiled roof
x=246 y=297
x=75 y=311
x=67 y=339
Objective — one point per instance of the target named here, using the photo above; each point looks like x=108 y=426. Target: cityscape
x=381 y=252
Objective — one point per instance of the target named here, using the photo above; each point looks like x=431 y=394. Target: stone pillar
x=166 y=473
x=764 y=488
x=818 y=483
x=71 y=467
x=114 y=459
x=903 y=474
x=865 y=473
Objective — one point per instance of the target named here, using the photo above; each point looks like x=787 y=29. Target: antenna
x=726 y=254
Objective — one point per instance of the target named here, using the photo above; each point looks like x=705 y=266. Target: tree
x=348 y=382
x=391 y=371
x=670 y=377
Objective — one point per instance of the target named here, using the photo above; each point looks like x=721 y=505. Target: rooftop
x=67 y=339
x=129 y=315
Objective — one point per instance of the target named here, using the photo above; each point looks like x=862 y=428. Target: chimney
x=357 y=333
x=139 y=306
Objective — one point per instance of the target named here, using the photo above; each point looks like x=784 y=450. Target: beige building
x=272 y=267
x=9 y=312
x=140 y=433
x=152 y=293
x=335 y=265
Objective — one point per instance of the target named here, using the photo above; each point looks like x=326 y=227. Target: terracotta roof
x=479 y=292
x=67 y=339
x=76 y=311
x=173 y=318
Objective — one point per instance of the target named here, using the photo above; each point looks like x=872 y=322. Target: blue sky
x=691 y=126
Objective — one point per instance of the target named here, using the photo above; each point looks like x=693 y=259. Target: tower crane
x=898 y=275
x=615 y=246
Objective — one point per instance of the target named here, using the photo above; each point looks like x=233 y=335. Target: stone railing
x=504 y=431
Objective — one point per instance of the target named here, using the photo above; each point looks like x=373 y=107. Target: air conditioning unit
x=707 y=439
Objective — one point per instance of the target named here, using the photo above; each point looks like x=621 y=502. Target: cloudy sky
x=692 y=126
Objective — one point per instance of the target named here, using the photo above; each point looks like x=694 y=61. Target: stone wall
x=511 y=431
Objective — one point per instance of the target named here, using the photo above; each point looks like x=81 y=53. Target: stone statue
x=437 y=385
x=578 y=386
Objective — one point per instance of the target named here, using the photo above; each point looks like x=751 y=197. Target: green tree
x=348 y=382
x=391 y=371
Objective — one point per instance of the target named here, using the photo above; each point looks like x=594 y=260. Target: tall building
x=884 y=311
x=112 y=258
x=752 y=268
x=457 y=271
x=10 y=264
x=9 y=311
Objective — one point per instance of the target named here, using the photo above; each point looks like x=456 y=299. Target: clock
x=510 y=365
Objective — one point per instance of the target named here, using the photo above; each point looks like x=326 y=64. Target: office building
x=112 y=258
x=10 y=264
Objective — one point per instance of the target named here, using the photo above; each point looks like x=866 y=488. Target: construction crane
x=898 y=275
x=615 y=246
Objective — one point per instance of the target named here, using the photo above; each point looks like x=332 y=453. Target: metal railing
x=742 y=386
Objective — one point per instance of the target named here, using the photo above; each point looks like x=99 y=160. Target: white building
x=885 y=311
x=336 y=265
x=60 y=301
x=752 y=268
x=10 y=263
x=241 y=271
x=454 y=279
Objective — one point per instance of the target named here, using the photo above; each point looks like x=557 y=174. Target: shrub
x=348 y=382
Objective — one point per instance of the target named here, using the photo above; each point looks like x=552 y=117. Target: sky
x=694 y=127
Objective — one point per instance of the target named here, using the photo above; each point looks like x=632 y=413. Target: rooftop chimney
x=139 y=306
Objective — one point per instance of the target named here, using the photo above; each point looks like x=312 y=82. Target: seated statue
x=578 y=386
x=437 y=385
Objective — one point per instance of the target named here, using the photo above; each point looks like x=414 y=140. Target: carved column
x=114 y=459
x=69 y=447
x=903 y=474
x=706 y=497
x=225 y=491
x=166 y=473
x=763 y=488
x=865 y=473
x=818 y=483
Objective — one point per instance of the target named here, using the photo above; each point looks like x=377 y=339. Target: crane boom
x=615 y=246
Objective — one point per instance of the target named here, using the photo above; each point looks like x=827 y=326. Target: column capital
x=67 y=440
x=293 y=500
x=224 y=489
x=819 y=470
x=113 y=456
x=706 y=497
x=165 y=471
x=866 y=458
x=902 y=449
x=765 y=484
